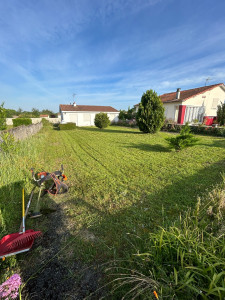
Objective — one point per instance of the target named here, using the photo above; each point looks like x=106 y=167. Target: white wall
x=86 y=118
x=206 y=100
x=171 y=110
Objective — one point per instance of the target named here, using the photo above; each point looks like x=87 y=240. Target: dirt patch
x=50 y=272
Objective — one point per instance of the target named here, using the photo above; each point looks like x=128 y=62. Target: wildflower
x=9 y=288
x=156 y=295
x=3 y=259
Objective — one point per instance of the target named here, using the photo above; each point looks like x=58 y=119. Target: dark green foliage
x=150 y=116
x=196 y=129
x=45 y=122
x=67 y=126
x=125 y=123
x=21 y=121
x=221 y=114
x=127 y=115
x=10 y=113
x=8 y=143
x=2 y=117
x=183 y=140
x=46 y=112
x=35 y=112
x=102 y=120
x=122 y=115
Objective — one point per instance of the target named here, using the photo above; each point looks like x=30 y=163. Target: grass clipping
x=183 y=261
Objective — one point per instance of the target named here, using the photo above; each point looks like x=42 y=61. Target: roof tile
x=186 y=94
x=65 y=107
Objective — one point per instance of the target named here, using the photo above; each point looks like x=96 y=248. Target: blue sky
x=107 y=52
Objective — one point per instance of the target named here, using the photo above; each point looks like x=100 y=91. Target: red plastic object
x=15 y=243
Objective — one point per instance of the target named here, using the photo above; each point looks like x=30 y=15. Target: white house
x=84 y=115
x=198 y=103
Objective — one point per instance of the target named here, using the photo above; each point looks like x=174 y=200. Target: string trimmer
x=21 y=241
x=51 y=183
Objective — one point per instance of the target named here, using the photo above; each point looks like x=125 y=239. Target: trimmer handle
x=32 y=172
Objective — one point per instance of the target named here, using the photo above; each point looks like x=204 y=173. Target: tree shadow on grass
x=217 y=143
x=149 y=147
x=115 y=234
x=119 y=234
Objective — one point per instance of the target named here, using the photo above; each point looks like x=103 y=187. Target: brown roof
x=186 y=94
x=65 y=107
x=43 y=116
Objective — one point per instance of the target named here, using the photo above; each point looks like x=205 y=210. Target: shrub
x=21 y=121
x=8 y=143
x=102 y=120
x=183 y=140
x=45 y=122
x=67 y=126
x=127 y=115
x=221 y=114
x=2 y=117
x=150 y=115
x=122 y=115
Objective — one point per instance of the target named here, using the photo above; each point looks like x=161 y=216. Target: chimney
x=74 y=104
x=178 y=94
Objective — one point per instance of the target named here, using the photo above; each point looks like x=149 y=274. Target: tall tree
x=221 y=114
x=150 y=115
x=35 y=112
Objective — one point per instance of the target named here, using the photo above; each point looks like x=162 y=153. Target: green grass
x=122 y=183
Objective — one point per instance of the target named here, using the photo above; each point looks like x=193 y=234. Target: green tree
x=10 y=113
x=183 y=140
x=47 y=112
x=150 y=116
x=130 y=113
x=19 y=111
x=2 y=117
x=102 y=120
x=221 y=114
x=35 y=112
x=122 y=115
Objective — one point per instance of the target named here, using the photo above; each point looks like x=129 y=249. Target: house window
x=215 y=103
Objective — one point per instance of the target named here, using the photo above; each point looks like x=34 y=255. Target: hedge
x=21 y=121
x=67 y=126
x=197 y=129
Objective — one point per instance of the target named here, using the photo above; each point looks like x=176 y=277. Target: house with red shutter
x=84 y=115
x=194 y=104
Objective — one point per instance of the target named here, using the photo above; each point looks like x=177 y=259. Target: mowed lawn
x=123 y=184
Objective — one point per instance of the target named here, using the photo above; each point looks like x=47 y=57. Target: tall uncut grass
x=183 y=261
x=15 y=175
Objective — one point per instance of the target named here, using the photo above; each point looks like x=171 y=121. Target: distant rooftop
x=71 y=107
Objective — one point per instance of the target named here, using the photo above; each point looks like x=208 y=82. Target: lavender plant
x=10 y=288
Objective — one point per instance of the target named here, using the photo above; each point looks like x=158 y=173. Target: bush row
x=197 y=129
x=21 y=121
x=125 y=123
